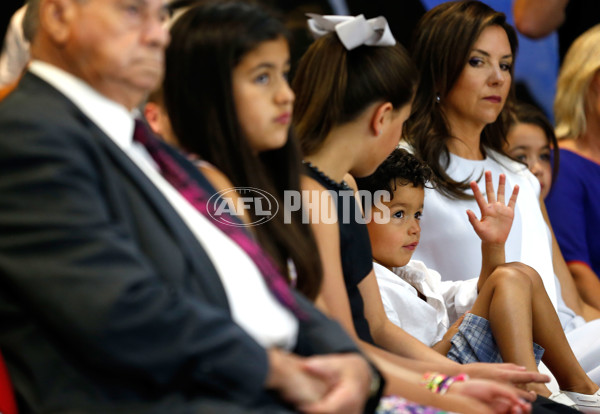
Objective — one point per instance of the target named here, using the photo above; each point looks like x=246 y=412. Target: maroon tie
x=198 y=197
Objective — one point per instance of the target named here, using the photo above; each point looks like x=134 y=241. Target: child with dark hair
x=229 y=104
x=530 y=139
x=465 y=52
x=354 y=89
x=512 y=310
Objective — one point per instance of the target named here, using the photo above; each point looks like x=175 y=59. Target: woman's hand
x=504 y=372
x=503 y=399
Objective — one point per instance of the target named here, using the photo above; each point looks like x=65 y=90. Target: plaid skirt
x=474 y=342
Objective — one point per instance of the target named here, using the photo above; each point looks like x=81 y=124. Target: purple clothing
x=199 y=198
x=398 y=405
x=573 y=209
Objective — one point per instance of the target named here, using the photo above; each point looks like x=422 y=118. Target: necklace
x=343 y=185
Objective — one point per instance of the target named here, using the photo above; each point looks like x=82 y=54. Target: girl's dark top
x=355 y=247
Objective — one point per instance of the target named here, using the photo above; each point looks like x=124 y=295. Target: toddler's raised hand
x=496 y=216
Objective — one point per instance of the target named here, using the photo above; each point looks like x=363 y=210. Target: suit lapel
x=193 y=250
x=198 y=260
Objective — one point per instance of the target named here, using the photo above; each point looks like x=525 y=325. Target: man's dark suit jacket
x=108 y=303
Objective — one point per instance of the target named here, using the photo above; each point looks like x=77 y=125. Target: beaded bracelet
x=439 y=383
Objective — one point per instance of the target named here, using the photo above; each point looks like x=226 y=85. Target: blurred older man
x=112 y=294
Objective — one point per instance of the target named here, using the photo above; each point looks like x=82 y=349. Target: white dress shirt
x=429 y=319
x=15 y=51
x=448 y=241
x=252 y=304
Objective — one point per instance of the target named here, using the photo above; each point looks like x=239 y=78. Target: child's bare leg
x=505 y=300
x=520 y=312
x=547 y=332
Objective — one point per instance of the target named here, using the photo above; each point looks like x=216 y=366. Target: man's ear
x=152 y=115
x=380 y=117
x=57 y=17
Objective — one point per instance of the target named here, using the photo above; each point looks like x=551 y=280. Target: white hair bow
x=353 y=31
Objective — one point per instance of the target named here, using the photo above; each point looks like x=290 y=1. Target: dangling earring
x=437 y=98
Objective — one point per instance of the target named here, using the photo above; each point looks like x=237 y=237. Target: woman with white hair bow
x=354 y=88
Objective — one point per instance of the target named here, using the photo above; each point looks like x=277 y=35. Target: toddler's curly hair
x=400 y=168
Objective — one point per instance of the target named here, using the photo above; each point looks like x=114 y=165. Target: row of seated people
x=576 y=119
x=574 y=191
x=116 y=271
